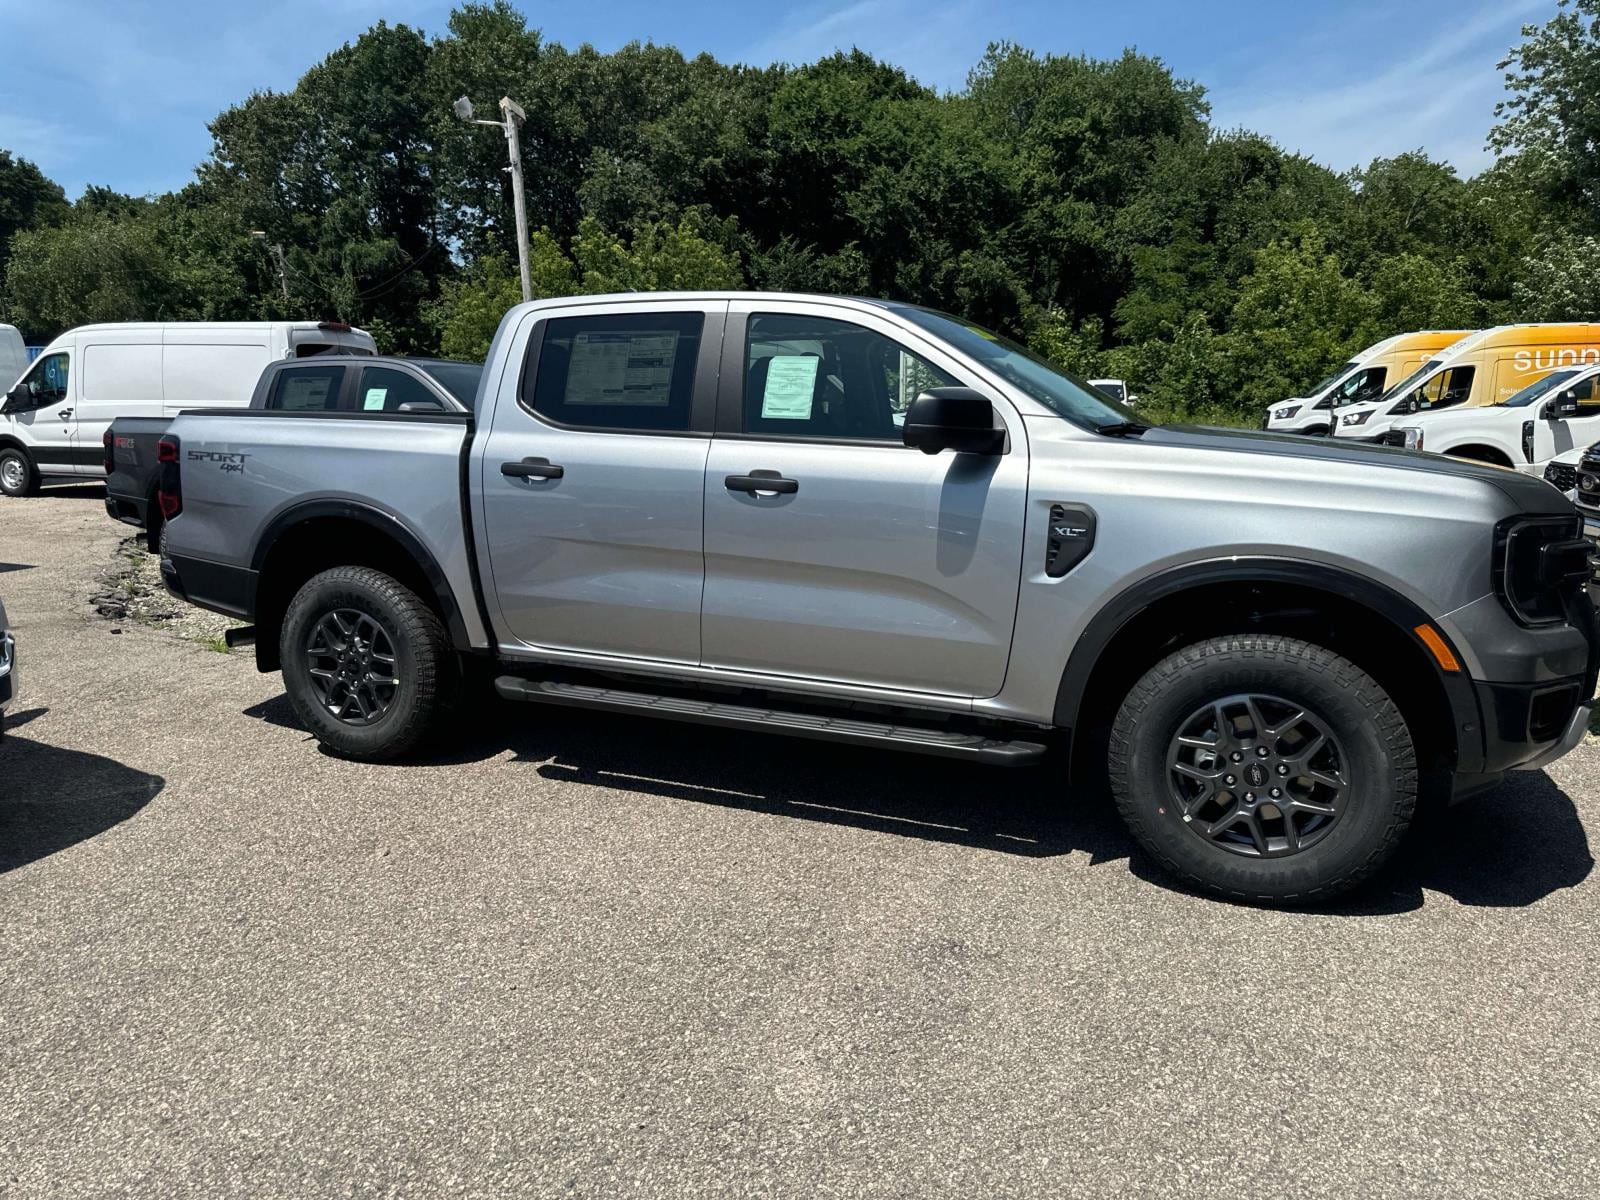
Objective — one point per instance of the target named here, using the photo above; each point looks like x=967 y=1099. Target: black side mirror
x=953 y=418
x=1564 y=405
x=16 y=399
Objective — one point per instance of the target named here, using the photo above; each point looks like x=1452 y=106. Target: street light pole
x=513 y=116
x=276 y=249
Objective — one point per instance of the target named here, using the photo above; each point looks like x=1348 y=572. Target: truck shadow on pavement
x=52 y=799
x=1506 y=848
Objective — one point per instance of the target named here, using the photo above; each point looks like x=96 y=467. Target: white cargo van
x=52 y=421
x=13 y=355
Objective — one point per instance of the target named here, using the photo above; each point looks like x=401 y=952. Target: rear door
x=882 y=566
x=592 y=481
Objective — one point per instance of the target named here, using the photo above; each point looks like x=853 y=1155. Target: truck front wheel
x=366 y=663
x=18 y=476
x=1263 y=768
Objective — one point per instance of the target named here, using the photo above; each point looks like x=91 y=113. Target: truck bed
x=248 y=476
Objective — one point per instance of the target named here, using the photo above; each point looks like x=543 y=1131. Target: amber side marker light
x=1436 y=646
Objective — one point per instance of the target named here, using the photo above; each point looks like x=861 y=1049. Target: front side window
x=1446 y=389
x=817 y=377
x=1363 y=385
x=623 y=371
x=383 y=389
x=1403 y=389
x=47 y=382
x=307 y=389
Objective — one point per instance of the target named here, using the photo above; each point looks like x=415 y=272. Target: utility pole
x=276 y=250
x=510 y=125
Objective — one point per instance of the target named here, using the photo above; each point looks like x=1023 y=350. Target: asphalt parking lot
x=572 y=954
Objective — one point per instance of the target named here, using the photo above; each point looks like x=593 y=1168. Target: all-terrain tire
x=423 y=662
x=1378 y=757
x=18 y=475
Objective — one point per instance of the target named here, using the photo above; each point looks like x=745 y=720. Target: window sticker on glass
x=622 y=368
x=791 y=382
x=373 y=401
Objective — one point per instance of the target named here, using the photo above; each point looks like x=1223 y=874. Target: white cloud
x=935 y=44
x=1438 y=93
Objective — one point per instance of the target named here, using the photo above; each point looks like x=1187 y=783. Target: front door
x=1557 y=435
x=866 y=562
x=48 y=426
x=592 y=482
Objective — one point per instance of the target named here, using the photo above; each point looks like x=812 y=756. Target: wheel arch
x=308 y=538
x=1360 y=618
x=1482 y=452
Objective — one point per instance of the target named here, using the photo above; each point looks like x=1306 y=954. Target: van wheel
x=18 y=476
x=1263 y=768
x=366 y=663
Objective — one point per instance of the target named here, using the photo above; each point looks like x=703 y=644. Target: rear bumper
x=130 y=510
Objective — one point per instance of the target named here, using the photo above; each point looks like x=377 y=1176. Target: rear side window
x=306 y=389
x=623 y=371
x=383 y=389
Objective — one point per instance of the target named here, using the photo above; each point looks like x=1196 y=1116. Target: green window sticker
x=374 y=399
x=791 y=382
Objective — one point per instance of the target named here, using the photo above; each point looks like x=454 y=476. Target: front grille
x=1589 y=482
x=1563 y=476
x=1392 y=437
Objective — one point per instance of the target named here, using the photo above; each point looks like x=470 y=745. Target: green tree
x=27 y=200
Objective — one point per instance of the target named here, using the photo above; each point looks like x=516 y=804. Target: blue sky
x=118 y=92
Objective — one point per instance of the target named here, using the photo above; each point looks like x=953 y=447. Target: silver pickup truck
x=874 y=523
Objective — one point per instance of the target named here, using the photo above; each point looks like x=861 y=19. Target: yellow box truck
x=1486 y=368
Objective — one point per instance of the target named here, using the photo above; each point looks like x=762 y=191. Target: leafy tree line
x=1086 y=206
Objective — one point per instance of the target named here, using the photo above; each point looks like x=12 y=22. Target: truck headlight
x=1413 y=438
x=1359 y=418
x=1538 y=562
x=1283 y=414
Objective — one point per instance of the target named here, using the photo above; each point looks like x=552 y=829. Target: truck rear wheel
x=18 y=476
x=366 y=663
x=1263 y=768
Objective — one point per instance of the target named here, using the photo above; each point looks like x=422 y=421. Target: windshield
x=1327 y=383
x=1065 y=395
x=459 y=379
x=1409 y=383
x=1534 y=390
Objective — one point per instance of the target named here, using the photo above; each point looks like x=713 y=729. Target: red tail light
x=108 y=457
x=169 y=490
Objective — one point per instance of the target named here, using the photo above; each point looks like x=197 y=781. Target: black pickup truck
x=335 y=384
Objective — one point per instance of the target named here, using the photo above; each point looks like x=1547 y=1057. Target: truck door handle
x=761 y=481
x=532 y=468
x=65 y=413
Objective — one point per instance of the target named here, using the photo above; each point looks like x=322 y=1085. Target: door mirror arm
x=953 y=418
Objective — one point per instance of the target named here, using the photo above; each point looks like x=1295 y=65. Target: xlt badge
x=1071 y=538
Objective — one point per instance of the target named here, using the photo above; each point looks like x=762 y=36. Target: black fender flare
x=1399 y=611
x=381 y=522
